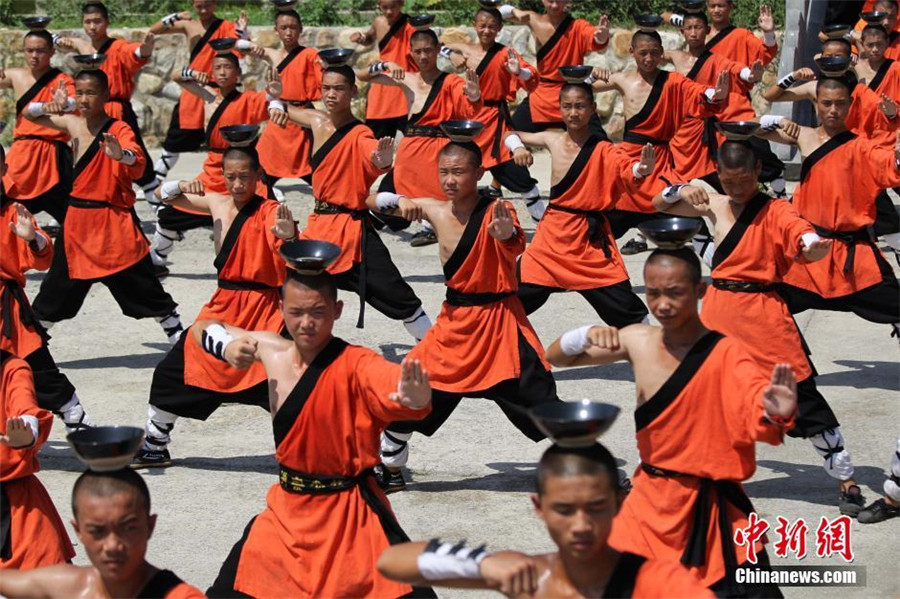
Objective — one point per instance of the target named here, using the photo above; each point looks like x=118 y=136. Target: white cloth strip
x=574 y=342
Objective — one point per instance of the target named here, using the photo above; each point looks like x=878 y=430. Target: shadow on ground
x=865 y=375
x=132 y=361
x=808 y=483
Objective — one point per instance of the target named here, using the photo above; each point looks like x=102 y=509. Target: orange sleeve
x=257 y=107
x=365 y=145
x=695 y=102
x=515 y=245
x=21 y=401
x=132 y=63
x=623 y=166
x=587 y=33
x=314 y=68
x=765 y=54
x=39 y=260
x=737 y=84
x=128 y=142
x=790 y=226
x=467 y=108
x=376 y=380
x=532 y=82
x=745 y=417
x=882 y=163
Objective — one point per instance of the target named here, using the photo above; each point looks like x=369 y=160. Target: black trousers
x=814 y=415
x=617 y=304
x=169 y=392
x=387 y=127
x=180 y=140
x=386 y=290
x=513 y=177
x=128 y=115
x=52 y=388
x=136 y=289
x=173 y=219
x=887 y=220
x=751 y=591
x=522 y=121
x=772 y=166
x=535 y=386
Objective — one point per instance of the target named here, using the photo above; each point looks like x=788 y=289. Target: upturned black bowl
x=693 y=6
x=738 y=130
x=873 y=17
x=106 y=448
x=89 y=61
x=833 y=66
x=223 y=44
x=576 y=73
x=671 y=233
x=836 y=30
x=284 y=4
x=335 y=57
x=421 y=21
x=461 y=131
x=491 y=3
x=308 y=256
x=239 y=135
x=574 y=423
x=36 y=23
x=648 y=22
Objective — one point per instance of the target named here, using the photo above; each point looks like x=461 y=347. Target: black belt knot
x=846 y=237
x=455 y=297
x=503 y=116
x=742 y=286
x=596 y=221
x=243 y=285
x=548 y=80
x=640 y=138
x=90 y=204
x=11 y=291
x=294 y=481
x=710 y=138
x=323 y=207
x=424 y=131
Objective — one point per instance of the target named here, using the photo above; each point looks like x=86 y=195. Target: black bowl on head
x=421 y=21
x=873 y=17
x=648 y=22
x=223 y=45
x=461 y=131
x=308 y=256
x=693 y=6
x=239 y=135
x=833 y=66
x=574 y=423
x=671 y=233
x=106 y=448
x=89 y=61
x=576 y=73
x=336 y=57
x=36 y=23
x=836 y=31
x=284 y=4
x=737 y=130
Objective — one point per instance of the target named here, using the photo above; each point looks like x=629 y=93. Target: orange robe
x=120 y=66
x=572 y=40
x=642 y=578
x=388 y=102
x=838 y=185
x=697 y=140
x=415 y=164
x=473 y=344
x=342 y=175
x=498 y=87
x=189 y=106
x=866 y=119
x=20 y=332
x=285 y=151
x=167 y=585
x=33 y=536
x=869 y=5
x=757 y=252
x=717 y=382
x=741 y=46
x=887 y=80
x=672 y=99
x=39 y=156
x=573 y=247
x=102 y=233
x=250 y=273
x=326 y=543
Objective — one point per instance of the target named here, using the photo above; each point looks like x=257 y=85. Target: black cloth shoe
x=390 y=482
x=634 y=246
x=151 y=458
x=851 y=502
x=493 y=192
x=879 y=511
x=423 y=238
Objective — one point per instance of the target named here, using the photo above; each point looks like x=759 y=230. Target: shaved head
x=682 y=258
x=835 y=83
x=109 y=484
x=94 y=74
x=323 y=283
x=471 y=151
x=737 y=155
x=245 y=153
x=344 y=71
x=652 y=36
x=583 y=87
x=558 y=462
x=838 y=46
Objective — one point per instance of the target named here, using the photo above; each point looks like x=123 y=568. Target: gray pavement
x=472 y=479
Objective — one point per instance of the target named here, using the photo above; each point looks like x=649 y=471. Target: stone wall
x=156 y=94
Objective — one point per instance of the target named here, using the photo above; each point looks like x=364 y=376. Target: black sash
x=11 y=291
x=624 y=576
x=502 y=106
x=880 y=74
x=286 y=417
x=423 y=131
x=398 y=24
x=35 y=89
x=243 y=285
x=725 y=491
x=92 y=150
x=160 y=585
x=823 y=150
x=850 y=239
x=647 y=109
x=5 y=517
x=595 y=222
x=234 y=231
x=217 y=114
x=467 y=240
x=301 y=483
x=432 y=96
x=289 y=57
x=560 y=31
x=719 y=37
x=204 y=39
x=742 y=286
x=733 y=238
x=460 y=298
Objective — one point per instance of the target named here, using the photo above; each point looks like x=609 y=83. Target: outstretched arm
x=684 y=200
x=53 y=114
x=587 y=345
x=43 y=583
x=195 y=82
x=172 y=23
x=793 y=87
x=235 y=346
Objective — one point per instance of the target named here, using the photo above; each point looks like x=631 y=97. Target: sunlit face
x=832 y=106
x=891 y=19
x=94 y=25
x=424 y=53
x=309 y=315
x=576 y=108
x=337 y=93
x=487 y=28
x=225 y=73
x=114 y=532
x=694 y=31
x=578 y=512
x=739 y=184
x=288 y=30
x=647 y=54
x=719 y=11
x=37 y=53
x=671 y=295
x=390 y=9
x=205 y=9
x=240 y=178
x=458 y=176
x=874 y=43
x=555 y=7
x=90 y=97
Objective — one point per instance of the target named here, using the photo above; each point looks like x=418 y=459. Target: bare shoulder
x=638 y=334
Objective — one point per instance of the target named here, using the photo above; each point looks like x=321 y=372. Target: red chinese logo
x=834 y=538
x=791 y=538
x=756 y=528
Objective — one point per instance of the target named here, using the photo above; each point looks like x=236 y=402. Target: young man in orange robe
x=32 y=534
x=703 y=403
x=101 y=241
x=326 y=521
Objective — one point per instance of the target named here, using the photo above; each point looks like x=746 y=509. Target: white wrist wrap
x=69 y=105
x=35 y=109
x=672 y=194
x=745 y=74
x=385 y=200
x=786 y=81
x=378 y=67
x=676 y=20
x=170 y=20
x=769 y=38
x=636 y=170
x=243 y=44
x=187 y=73
x=443 y=561
x=32 y=423
x=525 y=74
x=710 y=94
x=277 y=105
x=215 y=339
x=513 y=142
x=506 y=11
x=445 y=51
x=169 y=190
x=575 y=341
x=56 y=37
x=770 y=122
x=242 y=34
x=128 y=157
x=809 y=239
